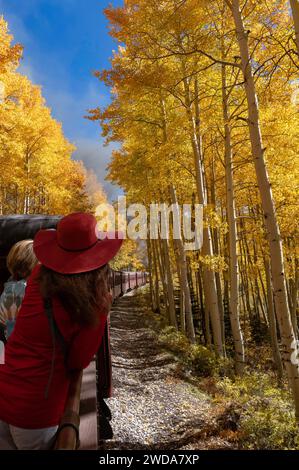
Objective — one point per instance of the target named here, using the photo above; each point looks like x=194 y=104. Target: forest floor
x=154 y=406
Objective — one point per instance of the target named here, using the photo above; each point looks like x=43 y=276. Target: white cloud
x=71 y=108
x=68 y=107
x=96 y=156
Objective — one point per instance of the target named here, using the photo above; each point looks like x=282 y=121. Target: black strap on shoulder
x=54 y=327
x=56 y=335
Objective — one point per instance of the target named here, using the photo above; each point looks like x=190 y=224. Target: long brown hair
x=82 y=295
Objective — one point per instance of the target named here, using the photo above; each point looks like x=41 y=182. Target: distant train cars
x=124 y=281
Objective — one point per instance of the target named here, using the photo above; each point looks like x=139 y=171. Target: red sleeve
x=85 y=344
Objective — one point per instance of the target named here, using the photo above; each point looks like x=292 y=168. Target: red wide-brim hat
x=76 y=246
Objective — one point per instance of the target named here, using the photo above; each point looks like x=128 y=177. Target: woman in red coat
x=71 y=282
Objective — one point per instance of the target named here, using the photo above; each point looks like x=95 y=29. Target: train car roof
x=14 y=228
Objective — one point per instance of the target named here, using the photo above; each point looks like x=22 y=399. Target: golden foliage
x=37 y=173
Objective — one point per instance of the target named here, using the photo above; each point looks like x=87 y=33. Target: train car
x=20 y=227
x=123 y=281
x=15 y=228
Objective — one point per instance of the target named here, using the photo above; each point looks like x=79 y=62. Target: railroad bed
x=151 y=407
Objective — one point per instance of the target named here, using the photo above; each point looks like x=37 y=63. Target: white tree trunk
x=234 y=313
x=294 y=298
x=272 y=323
x=184 y=278
x=151 y=275
x=180 y=280
x=159 y=257
x=290 y=349
x=156 y=271
x=169 y=284
x=209 y=282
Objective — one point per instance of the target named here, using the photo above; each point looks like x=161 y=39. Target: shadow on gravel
x=152 y=409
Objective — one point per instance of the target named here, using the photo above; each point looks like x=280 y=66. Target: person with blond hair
x=21 y=261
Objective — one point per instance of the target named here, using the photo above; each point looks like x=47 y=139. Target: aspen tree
x=270 y=219
x=272 y=322
x=209 y=281
x=184 y=278
x=44 y=178
x=232 y=234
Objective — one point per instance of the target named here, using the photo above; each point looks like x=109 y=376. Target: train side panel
x=122 y=282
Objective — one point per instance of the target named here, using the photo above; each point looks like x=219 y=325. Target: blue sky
x=65 y=41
